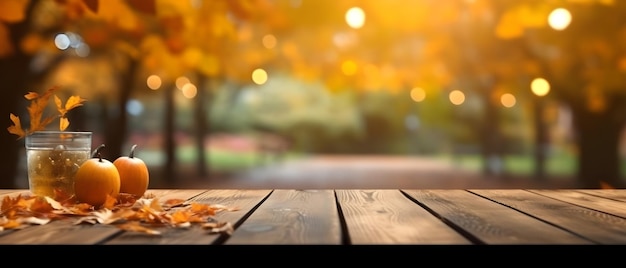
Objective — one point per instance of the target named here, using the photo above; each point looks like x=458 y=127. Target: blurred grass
x=557 y=164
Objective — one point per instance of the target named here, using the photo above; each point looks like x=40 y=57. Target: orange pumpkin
x=134 y=176
x=96 y=179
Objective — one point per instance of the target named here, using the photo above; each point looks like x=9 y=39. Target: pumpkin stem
x=97 y=151
x=132 y=151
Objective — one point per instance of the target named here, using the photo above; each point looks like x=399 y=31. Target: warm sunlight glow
x=418 y=94
x=259 y=76
x=189 y=90
x=269 y=41
x=559 y=19
x=540 y=86
x=154 y=82
x=348 y=67
x=457 y=97
x=355 y=17
x=508 y=100
x=181 y=82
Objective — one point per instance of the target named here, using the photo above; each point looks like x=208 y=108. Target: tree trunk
x=541 y=138
x=168 y=132
x=200 y=124
x=117 y=129
x=598 y=140
x=491 y=145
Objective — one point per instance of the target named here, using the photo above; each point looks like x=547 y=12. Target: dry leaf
x=36 y=108
x=136 y=227
x=23 y=210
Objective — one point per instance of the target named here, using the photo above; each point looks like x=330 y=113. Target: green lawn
x=221 y=160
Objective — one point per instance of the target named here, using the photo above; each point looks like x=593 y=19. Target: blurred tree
x=584 y=63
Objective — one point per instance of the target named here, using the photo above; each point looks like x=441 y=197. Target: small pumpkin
x=96 y=179
x=134 y=175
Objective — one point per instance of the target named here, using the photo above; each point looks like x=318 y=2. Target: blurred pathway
x=367 y=172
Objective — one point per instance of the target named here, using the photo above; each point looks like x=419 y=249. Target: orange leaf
x=63 y=123
x=145 y=6
x=92 y=5
x=31 y=95
x=73 y=102
x=41 y=205
x=136 y=227
x=109 y=202
x=59 y=105
x=17 y=127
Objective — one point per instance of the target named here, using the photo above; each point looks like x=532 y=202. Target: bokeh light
x=418 y=94
x=456 y=97
x=508 y=100
x=189 y=90
x=154 y=82
x=559 y=19
x=259 y=76
x=355 y=17
x=62 y=41
x=540 y=86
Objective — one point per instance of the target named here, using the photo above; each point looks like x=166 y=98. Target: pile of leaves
x=125 y=211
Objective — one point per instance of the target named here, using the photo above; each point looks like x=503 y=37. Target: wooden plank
x=244 y=200
x=164 y=194
x=388 y=217
x=487 y=222
x=594 y=225
x=13 y=193
x=65 y=232
x=617 y=194
x=6 y=191
x=60 y=232
x=292 y=217
x=582 y=199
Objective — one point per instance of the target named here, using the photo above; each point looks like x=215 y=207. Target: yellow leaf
x=63 y=123
x=13 y=10
x=73 y=102
x=59 y=105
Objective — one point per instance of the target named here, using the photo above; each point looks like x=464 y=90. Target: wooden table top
x=363 y=217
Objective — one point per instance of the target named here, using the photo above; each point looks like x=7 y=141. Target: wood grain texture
x=61 y=232
x=292 y=217
x=488 y=222
x=610 y=206
x=13 y=193
x=389 y=217
x=593 y=225
x=617 y=194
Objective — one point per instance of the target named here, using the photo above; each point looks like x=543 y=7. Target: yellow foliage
x=167 y=8
x=509 y=26
x=12 y=11
x=117 y=12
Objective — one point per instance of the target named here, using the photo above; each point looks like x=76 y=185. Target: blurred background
x=328 y=93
